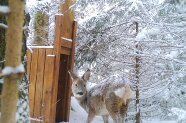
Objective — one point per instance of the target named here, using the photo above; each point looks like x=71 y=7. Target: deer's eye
x=84 y=85
x=76 y=85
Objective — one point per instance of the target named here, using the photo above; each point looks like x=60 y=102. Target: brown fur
x=101 y=99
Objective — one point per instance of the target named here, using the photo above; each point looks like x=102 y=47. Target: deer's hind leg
x=111 y=102
x=116 y=107
x=105 y=118
x=123 y=111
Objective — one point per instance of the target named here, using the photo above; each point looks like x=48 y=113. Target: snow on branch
x=12 y=70
x=66 y=39
x=4 y=10
x=2 y=25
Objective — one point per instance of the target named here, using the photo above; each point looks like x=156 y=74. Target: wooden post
x=56 y=66
x=71 y=64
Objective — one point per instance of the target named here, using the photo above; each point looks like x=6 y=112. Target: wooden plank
x=32 y=81
x=65 y=43
x=65 y=51
x=70 y=67
x=57 y=48
x=28 y=63
x=65 y=6
x=62 y=93
x=47 y=87
x=67 y=26
x=39 y=84
x=73 y=44
x=67 y=90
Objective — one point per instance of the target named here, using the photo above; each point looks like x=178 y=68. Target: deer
x=104 y=100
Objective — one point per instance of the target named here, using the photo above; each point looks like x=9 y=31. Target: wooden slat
x=70 y=67
x=57 y=48
x=65 y=43
x=32 y=81
x=62 y=93
x=73 y=45
x=65 y=51
x=67 y=24
x=47 y=87
x=67 y=90
x=39 y=84
x=28 y=63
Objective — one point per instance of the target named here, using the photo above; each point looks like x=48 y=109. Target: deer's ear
x=72 y=75
x=86 y=75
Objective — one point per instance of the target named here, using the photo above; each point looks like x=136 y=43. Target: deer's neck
x=83 y=101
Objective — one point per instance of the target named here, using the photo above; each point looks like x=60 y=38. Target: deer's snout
x=80 y=93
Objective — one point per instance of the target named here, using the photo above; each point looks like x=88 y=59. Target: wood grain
x=39 y=83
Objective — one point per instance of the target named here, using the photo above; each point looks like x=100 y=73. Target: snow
x=181 y=6
x=4 y=9
x=146 y=32
x=161 y=1
x=40 y=46
x=31 y=47
x=159 y=121
x=172 y=54
x=66 y=39
x=3 y=25
x=35 y=119
x=180 y=113
x=78 y=115
x=13 y=70
x=1 y=81
x=51 y=55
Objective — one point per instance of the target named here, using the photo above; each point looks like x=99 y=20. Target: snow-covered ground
x=78 y=115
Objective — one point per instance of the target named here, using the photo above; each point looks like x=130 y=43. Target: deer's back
x=96 y=97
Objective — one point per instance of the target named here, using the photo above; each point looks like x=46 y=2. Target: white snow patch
x=146 y=32
x=51 y=55
x=1 y=81
x=59 y=14
x=36 y=119
x=89 y=85
x=180 y=113
x=39 y=47
x=13 y=70
x=126 y=70
x=159 y=121
x=161 y=1
x=78 y=115
x=3 y=25
x=4 y=9
x=67 y=39
x=181 y=6
x=91 y=11
x=172 y=54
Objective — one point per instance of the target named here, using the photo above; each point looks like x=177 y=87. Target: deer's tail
x=125 y=93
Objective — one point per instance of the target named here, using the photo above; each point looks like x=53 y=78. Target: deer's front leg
x=105 y=118
x=91 y=115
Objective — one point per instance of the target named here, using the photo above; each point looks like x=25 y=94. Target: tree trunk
x=137 y=72
x=13 y=59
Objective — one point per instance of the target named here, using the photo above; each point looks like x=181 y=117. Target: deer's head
x=79 y=84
